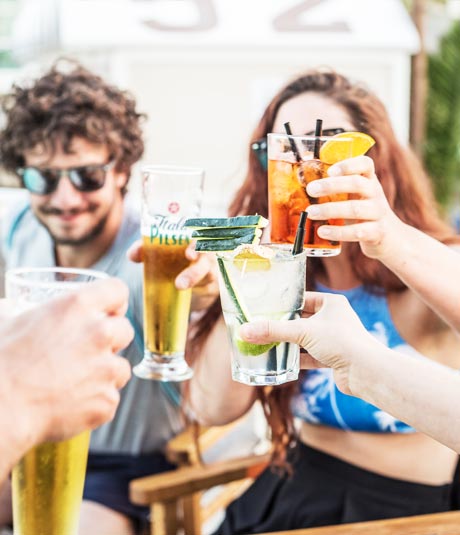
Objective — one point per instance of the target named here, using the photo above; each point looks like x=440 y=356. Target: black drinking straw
x=300 y=234
x=294 y=148
x=318 y=133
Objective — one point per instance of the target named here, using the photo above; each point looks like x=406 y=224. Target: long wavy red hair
x=406 y=186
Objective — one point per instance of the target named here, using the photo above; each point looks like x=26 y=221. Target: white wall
x=203 y=112
x=204 y=90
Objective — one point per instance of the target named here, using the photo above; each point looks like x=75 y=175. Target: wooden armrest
x=435 y=524
x=181 y=449
x=190 y=479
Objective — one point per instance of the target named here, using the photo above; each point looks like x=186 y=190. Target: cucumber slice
x=226 y=222
x=226 y=244
x=233 y=232
x=244 y=314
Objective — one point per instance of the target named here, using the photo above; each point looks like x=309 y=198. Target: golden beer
x=170 y=195
x=48 y=487
x=166 y=309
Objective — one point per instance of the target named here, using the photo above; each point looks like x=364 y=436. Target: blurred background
x=203 y=70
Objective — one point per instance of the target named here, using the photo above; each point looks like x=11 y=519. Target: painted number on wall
x=287 y=21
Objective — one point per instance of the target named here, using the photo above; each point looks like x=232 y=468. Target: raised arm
x=418 y=391
x=425 y=265
x=59 y=373
x=213 y=397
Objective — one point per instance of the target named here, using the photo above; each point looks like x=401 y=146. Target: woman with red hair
x=346 y=461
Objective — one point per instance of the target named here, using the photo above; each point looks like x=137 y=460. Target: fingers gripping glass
x=260 y=146
x=45 y=181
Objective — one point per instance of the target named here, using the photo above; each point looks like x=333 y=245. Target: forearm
x=420 y=392
x=430 y=269
x=214 y=397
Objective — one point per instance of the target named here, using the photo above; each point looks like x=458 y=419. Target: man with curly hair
x=73 y=138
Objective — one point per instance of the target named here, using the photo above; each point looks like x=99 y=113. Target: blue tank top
x=319 y=401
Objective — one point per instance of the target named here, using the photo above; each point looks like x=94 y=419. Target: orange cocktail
x=288 y=175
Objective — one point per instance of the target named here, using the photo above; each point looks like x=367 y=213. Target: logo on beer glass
x=168 y=231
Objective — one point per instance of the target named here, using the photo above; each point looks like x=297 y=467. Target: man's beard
x=82 y=240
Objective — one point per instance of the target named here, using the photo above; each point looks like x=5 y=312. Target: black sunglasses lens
x=260 y=150
x=88 y=178
x=39 y=182
x=327 y=132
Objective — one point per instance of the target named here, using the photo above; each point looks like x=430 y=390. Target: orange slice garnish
x=335 y=151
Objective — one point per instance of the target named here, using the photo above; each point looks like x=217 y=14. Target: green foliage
x=442 y=146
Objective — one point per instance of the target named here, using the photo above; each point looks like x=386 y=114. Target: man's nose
x=66 y=196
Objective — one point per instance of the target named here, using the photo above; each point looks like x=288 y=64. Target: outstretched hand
x=371 y=220
x=200 y=275
x=323 y=313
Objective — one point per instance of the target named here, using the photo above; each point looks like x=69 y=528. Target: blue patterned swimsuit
x=320 y=402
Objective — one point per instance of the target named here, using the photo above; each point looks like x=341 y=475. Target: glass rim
x=227 y=255
x=172 y=169
x=17 y=275
x=311 y=137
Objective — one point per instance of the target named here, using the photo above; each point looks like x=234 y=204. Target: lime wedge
x=252 y=350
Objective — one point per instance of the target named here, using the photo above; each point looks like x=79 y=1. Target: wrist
x=18 y=420
x=395 y=242
x=365 y=368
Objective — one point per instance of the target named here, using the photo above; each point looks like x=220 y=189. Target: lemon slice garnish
x=252 y=257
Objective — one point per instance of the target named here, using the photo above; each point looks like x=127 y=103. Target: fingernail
x=313 y=210
x=314 y=187
x=324 y=231
x=335 y=170
x=182 y=282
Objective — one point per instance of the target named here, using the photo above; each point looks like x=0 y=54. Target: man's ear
x=121 y=179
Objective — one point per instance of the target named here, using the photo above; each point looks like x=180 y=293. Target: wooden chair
x=175 y=497
x=436 y=524
x=164 y=491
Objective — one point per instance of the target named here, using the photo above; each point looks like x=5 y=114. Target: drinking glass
x=289 y=172
x=48 y=481
x=170 y=195
x=262 y=288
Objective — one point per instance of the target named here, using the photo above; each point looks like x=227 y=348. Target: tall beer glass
x=48 y=480
x=170 y=195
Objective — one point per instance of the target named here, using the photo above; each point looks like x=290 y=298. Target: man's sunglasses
x=45 y=181
x=260 y=146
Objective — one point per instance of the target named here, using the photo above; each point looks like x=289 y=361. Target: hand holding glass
x=48 y=481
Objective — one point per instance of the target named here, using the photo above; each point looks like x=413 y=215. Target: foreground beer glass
x=288 y=175
x=252 y=289
x=170 y=195
x=48 y=481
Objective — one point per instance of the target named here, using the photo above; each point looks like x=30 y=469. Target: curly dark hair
x=64 y=104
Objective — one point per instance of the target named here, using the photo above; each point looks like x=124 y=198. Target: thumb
x=266 y=331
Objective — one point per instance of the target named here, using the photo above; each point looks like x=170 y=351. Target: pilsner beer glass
x=48 y=481
x=170 y=195
x=289 y=172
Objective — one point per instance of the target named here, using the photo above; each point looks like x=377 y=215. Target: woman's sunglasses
x=45 y=181
x=260 y=146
